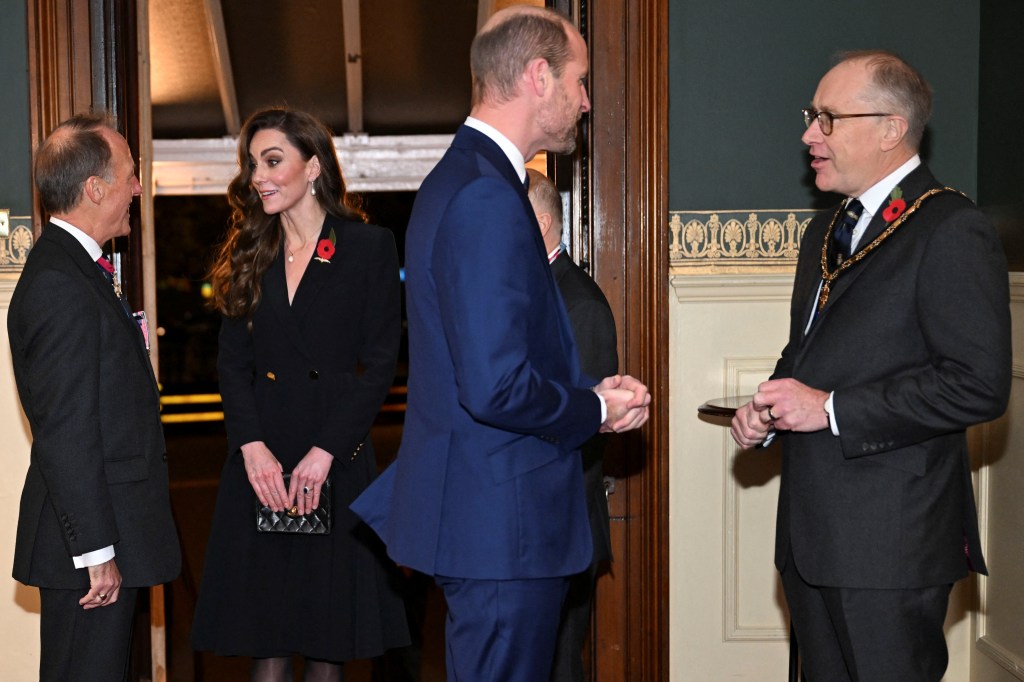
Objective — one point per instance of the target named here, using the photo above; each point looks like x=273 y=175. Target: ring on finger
x=101 y=597
x=770 y=415
x=306 y=490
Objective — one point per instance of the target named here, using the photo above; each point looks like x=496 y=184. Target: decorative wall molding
x=1017 y=287
x=382 y=163
x=738 y=373
x=721 y=288
x=735 y=241
x=15 y=243
x=1009 y=662
x=1012 y=662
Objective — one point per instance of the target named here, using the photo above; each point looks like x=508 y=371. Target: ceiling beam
x=353 y=64
x=222 y=65
x=372 y=163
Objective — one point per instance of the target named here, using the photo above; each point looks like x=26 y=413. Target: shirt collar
x=554 y=254
x=511 y=151
x=872 y=199
x=87 y=242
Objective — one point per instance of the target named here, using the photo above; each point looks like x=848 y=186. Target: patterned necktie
x=842 y=237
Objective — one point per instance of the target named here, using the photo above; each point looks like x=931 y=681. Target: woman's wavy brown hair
x=254 y=237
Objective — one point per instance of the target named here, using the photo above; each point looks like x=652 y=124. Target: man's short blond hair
x=508 y=42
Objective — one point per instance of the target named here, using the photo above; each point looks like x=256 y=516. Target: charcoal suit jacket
x=915 y=343
x=98 y=470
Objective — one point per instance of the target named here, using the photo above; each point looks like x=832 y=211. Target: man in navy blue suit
x=487 y=492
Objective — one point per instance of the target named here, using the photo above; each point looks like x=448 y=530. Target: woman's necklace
x=292 y=252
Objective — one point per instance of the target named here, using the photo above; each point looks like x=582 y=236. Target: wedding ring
x=770 y=415
x=306 y=489
x=101 y=597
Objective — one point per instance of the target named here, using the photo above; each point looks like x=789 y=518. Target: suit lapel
x=91 y=272
x=486 y=148
x=316 y=276
x=317 y=273
x=275 y=300
x=916 y=183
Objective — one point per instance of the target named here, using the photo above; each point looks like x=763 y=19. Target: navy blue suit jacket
x=488 y=481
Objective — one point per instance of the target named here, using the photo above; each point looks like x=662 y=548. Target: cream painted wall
x=19 y=605
x=999 y=654
x=727 y=611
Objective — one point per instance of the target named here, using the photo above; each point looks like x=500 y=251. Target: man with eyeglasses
x=899 y=341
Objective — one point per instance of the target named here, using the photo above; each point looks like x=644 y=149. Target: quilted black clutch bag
x=316 y=522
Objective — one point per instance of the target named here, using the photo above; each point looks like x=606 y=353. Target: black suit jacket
x=915 y=343
x=98 y=470
x=594 y=328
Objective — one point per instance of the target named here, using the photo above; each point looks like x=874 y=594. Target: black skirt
x=334 y=597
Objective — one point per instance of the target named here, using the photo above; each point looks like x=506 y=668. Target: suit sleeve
x=61 y=339
x=487 y=286
x=236 y=369
x=380 y=332
x=962 y=307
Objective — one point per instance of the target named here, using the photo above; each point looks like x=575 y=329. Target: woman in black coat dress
x=308 y=345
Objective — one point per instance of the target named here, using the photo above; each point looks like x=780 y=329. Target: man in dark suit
x=899 y=341
x=593 y=327
x=95 y=522
x=486 y=494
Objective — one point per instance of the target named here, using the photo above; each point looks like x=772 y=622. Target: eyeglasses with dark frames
x=826 y=118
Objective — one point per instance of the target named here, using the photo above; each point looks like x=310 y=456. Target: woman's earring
x=312 y=188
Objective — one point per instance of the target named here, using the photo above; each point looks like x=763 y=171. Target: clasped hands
x=627 y=401
x=264 y=472
x=779 y=404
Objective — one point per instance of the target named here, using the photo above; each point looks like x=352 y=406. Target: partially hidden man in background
x=593 y=326
x=487 y=494
x=899 y=340
x=95 y=523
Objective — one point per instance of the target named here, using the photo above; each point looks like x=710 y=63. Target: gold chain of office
x=828 y=277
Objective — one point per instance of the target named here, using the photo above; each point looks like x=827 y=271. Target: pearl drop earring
x=312 y=189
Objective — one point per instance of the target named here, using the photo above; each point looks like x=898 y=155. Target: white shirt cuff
x=604 y=407
x=833 y=424
x=94 y=558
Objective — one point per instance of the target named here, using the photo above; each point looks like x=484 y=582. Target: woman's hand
x=264 y=472
x=308 y=477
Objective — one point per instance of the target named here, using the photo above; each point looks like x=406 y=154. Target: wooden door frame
x=619 y=185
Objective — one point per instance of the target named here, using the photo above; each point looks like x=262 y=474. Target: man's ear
x=95 y=188
x=537 y=77
x=894 y=132
x=544 y=220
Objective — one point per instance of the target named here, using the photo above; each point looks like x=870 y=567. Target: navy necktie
x=842 y=237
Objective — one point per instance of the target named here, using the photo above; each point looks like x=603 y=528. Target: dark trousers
x=575 y=626
x=81 y=645
x=866 y=635
x=501 y=630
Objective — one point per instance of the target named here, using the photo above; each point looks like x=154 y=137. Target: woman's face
x=279 y=173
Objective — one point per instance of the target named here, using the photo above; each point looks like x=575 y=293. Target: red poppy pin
x=896 y=205
x=325 y=248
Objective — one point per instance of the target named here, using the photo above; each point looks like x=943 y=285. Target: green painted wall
x=741 y=70
x=1000 y=133
x=15 y=148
